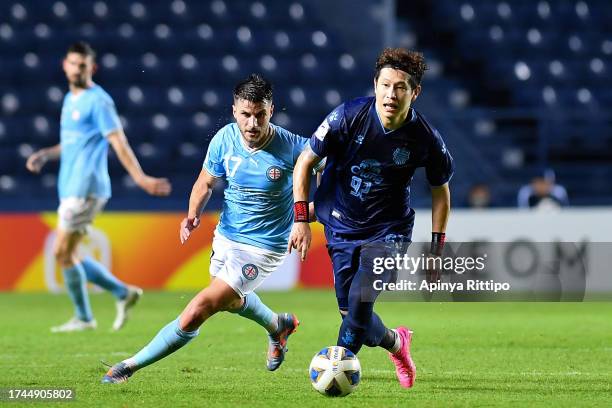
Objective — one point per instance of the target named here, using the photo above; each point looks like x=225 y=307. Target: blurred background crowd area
x=520 y=89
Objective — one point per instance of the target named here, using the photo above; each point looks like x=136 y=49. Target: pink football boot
x=404 y=366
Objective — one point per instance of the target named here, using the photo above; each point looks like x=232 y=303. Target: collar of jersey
x=255 y=151
x=409 y=118
x=74 y=98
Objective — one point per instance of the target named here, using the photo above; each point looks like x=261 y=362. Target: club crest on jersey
x=322 y=130
x=274 y=173
x=400 y=156
x=250 y=271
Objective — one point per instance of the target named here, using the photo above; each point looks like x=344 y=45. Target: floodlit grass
x=467 y=354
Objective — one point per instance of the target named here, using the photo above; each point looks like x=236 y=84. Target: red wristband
x=300 y=211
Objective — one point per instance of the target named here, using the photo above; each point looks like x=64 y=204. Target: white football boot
x=124 y=305
x=75 y=324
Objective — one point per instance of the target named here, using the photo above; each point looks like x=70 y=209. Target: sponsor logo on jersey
x=274 y=173
x=76 y=115
x=400 y=156
x=250 y=271
x=368 y=170
x=322 y=130
x=365 y=174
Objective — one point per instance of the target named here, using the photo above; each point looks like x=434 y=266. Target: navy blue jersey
x=365 y=188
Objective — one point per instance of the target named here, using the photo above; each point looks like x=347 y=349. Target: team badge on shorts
x=274 y=173
x=250 y=271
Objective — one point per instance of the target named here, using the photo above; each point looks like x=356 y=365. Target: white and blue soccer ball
x=335 y=371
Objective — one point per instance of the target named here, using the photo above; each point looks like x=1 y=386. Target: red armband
x=300 y=211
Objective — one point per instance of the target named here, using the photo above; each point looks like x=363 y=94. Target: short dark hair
x=255 y=88
x=83 y=48
x=411 y=62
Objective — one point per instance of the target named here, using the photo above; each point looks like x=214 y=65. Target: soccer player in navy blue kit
x=372 y=147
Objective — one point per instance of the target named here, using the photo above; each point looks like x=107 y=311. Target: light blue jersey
x=258 y=205
x=87 y=118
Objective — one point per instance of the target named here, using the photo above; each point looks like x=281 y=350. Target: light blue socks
x=167 y=341
x=76 y=284
x=98 y=274
x=172 y=337
x=254 y=309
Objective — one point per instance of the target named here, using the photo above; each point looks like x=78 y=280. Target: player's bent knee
x=357 y=321
x=207 y=308
x=65 y=250
x=189 y=320
x=63 y=257
x=194 y=315
x=234 y=304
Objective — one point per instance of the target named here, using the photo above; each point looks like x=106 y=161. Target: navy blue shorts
x=353 y=261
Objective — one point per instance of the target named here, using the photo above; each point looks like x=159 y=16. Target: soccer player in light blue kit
x=89 y=123
x=256 y=158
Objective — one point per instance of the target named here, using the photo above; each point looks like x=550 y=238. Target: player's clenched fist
x=300 y=238
x=188 y=225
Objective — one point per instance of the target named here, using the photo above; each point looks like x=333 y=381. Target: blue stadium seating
x=548 y=63
x=171 y=66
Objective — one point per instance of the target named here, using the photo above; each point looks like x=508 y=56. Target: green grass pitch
x=467 y=354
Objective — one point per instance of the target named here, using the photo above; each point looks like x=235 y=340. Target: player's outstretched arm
x=152 y=185
x=200 y=194
x=301 y=235
x=440 y=207
x=38 y=159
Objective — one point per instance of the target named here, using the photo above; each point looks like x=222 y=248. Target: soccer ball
x=335 y=371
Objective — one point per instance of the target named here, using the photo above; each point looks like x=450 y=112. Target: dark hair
x=254 y=88
x=82 y=48
x=411 y=62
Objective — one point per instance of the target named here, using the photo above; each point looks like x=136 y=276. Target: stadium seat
x=171 y=67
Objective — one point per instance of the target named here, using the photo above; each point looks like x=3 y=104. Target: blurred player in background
x=256 y=158
x=373 y=145
x=89 y=122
